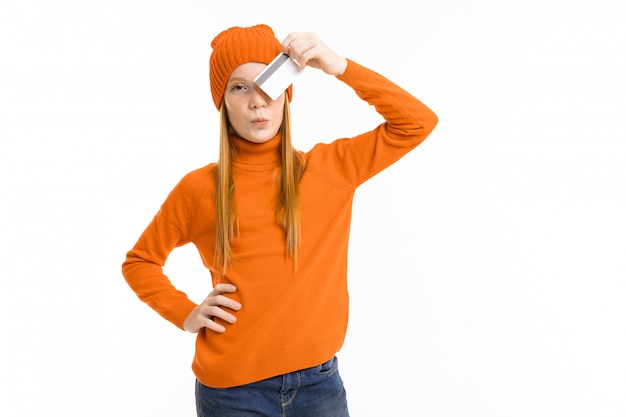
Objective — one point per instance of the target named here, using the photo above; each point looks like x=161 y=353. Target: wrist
x=342 y=64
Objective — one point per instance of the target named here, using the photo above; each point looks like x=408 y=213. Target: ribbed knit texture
x=236 y=46
x=288 y=321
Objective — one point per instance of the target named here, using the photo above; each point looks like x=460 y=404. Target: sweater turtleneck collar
x=249 y=153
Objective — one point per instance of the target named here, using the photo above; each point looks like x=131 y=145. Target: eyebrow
x=237 y=79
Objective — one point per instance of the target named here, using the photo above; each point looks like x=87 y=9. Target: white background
x=487 y=272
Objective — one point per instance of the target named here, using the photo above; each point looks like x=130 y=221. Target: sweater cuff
x=353 y=71
x=180 y=312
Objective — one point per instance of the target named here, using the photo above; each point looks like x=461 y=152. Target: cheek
x=233 y=107
x=231 y=103
x=278 y=107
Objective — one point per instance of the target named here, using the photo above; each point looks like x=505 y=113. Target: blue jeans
x=311 y=392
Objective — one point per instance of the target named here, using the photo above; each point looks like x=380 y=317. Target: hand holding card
x=278 y=75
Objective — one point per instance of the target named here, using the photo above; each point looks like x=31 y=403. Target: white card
x=278 y=75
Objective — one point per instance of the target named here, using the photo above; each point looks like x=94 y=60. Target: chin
x=261 y=138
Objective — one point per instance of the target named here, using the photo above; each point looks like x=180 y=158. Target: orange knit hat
x=236 y=46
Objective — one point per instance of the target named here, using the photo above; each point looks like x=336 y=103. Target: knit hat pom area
x=236 y=46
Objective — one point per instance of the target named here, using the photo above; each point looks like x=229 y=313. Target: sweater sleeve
x=143 y=266
x=408 y=122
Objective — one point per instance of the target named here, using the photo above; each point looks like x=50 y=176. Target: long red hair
x=288 y=199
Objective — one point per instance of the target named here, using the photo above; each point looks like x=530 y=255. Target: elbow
x=434 y=121
x=429 y=123
x=134 y=268
x=426 y=126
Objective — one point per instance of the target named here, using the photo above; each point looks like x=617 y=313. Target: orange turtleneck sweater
x=288 y=321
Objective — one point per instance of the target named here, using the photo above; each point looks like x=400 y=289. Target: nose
x=258 y=99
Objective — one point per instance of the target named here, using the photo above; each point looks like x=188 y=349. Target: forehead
x=247 y=70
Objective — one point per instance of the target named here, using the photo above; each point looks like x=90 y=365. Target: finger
x=296 y=43
x=288 y=42
x=223 y=301
x=306 y=50
x=286 y=45
x=224 y=287
x=212 y=325
x=308 y=57
x=217 y=312
x=221 y=289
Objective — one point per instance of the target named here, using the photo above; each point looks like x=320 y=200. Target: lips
x=261 y=122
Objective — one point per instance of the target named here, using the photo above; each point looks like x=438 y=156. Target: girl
x=271 y=224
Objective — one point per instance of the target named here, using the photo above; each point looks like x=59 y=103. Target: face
x=254 y=116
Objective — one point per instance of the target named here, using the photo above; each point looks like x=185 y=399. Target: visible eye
x=238 y=87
